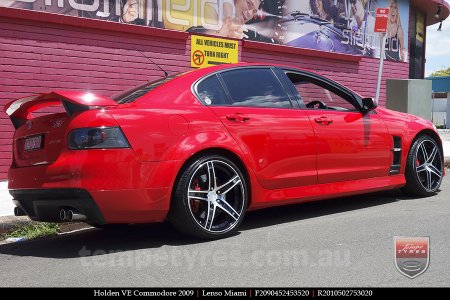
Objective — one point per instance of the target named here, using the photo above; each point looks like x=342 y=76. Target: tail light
x=97 y=138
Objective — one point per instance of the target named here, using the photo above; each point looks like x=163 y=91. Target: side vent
x=396 y=156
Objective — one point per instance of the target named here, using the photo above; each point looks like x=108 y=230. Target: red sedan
x=203 y=147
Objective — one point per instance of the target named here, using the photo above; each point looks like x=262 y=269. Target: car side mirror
x=368 y=104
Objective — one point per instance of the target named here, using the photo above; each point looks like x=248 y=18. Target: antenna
x=165 y=72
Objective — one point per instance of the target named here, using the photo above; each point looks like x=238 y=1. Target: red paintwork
x=289 y=158
x=282 y=157
x=352 y=147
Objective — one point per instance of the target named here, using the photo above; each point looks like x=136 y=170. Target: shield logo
x=412 y=255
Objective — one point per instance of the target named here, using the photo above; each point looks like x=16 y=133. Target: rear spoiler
x=20 y=110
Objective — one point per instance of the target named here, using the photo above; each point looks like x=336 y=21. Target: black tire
x=424 y=167
x=206 y=208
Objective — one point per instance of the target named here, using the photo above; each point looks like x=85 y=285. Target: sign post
x=381 y=22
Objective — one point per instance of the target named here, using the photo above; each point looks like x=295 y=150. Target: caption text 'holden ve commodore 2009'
x=201 y=148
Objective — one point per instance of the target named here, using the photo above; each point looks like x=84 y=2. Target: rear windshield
x=139 y=91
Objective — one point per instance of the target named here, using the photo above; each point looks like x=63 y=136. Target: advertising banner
x=339 y=26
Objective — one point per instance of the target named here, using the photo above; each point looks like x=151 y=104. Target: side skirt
x=266 y=198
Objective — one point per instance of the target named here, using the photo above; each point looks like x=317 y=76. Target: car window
x=319 y=95
x=210 y=92
x=255 y=87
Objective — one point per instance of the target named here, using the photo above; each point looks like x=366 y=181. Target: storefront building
x=106 y=46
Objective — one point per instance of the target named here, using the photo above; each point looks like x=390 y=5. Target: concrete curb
x=11 y=222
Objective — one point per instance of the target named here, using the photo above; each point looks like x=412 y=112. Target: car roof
x=195 y=75
x=245 y=64
x=200 y=73
x=182 y=84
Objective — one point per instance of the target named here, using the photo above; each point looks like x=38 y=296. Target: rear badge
x=29 y=124
x=412 y=255
x=57 y=123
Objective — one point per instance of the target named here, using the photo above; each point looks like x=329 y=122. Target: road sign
x=208 y=51
x=381 y=19
x=198 y=57
x=381 y=22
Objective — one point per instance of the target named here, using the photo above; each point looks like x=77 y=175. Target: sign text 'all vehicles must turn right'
x=209 y=51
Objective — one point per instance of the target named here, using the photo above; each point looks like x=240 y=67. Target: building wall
x=37 y=56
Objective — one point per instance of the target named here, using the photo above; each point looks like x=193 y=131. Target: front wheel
x=424 y=167
x=210 y=198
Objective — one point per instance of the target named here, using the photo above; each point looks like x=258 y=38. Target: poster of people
x=340 y=26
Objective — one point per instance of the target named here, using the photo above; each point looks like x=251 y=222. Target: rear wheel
x=210 y=198
x=424 y=167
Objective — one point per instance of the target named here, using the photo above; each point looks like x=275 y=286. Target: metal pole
x=380 y=68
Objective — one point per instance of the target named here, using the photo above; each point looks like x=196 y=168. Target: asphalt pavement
x=341 y=242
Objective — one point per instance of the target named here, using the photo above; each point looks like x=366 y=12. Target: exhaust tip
x=70 y=215
x=19 y=212
x=63 y=215
x=75 y=216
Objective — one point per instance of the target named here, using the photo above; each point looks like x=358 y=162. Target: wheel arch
x=235 y=158
x=431 y=134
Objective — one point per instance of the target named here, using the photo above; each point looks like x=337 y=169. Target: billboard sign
x=338 y=26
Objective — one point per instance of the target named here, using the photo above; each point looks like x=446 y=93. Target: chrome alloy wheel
x=428 y=165
x=216 y=196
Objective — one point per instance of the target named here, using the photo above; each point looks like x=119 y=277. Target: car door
x=276 y=137
x=350 y=145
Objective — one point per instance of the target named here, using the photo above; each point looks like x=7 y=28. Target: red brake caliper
x=195 y=203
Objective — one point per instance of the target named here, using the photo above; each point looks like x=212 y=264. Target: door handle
x=323 y=120
x=237 y=117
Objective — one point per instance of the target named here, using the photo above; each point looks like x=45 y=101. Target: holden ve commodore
x=202 y=148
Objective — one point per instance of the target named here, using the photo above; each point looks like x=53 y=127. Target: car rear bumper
x=99 y=207
x=107 y=187
x=45 y=204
